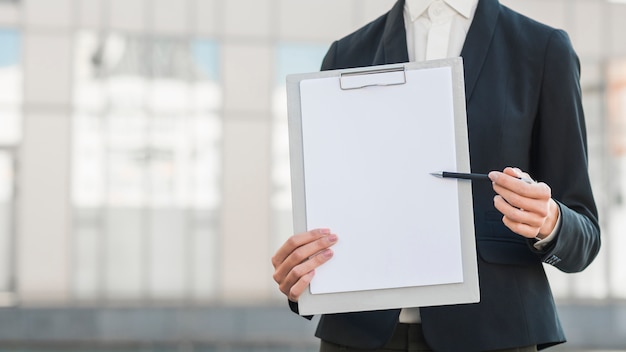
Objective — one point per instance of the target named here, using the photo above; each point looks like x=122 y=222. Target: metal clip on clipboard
x=380 y=77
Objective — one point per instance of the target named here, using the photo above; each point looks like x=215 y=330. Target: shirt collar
x=417 y=7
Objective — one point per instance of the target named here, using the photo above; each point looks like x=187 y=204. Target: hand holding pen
x=526 y=205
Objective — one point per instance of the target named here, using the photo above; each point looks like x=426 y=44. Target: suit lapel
x=478 y=41
x=393 y=49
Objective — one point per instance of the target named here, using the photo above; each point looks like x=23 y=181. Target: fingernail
x=331 y=238
x=493 y=176
x=324 y=231
x=327 y=253
x=518 y=172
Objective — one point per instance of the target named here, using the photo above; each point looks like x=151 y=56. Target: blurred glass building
x=144 y=172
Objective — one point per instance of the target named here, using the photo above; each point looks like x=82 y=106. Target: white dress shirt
x=436 y=29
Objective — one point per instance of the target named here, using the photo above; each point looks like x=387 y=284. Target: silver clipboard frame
x=420 y=296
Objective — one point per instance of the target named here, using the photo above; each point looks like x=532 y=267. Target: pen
x=471 y=176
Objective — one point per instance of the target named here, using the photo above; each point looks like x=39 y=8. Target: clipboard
x=362 y=144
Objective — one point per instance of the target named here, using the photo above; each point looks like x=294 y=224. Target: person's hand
x=527 y=208
x=295 y=261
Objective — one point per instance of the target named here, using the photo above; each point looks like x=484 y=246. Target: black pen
x=471 y=176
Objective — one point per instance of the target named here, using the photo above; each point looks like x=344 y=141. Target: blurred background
x=144 y=172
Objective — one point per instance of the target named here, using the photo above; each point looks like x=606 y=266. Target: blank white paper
x=368 y=154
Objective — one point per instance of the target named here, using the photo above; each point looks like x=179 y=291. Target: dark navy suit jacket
x=523 y=110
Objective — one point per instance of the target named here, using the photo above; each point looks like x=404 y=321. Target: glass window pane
x=10 y=69
x=10 y=136
x=89 y=62
x=146 y=162
x=127 y=159
x=88 y=172
x=616 y=215
x=6 y=219
x=10 y=124
x=205 y=254
x=124 y=243
x=88 y=258
x=205 y=56
x=10 y=87
x=168 y=253
x=205 y=130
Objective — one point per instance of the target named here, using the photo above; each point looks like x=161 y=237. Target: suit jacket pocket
x=498 y=245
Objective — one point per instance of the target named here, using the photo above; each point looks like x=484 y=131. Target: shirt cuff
x=541 y=244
